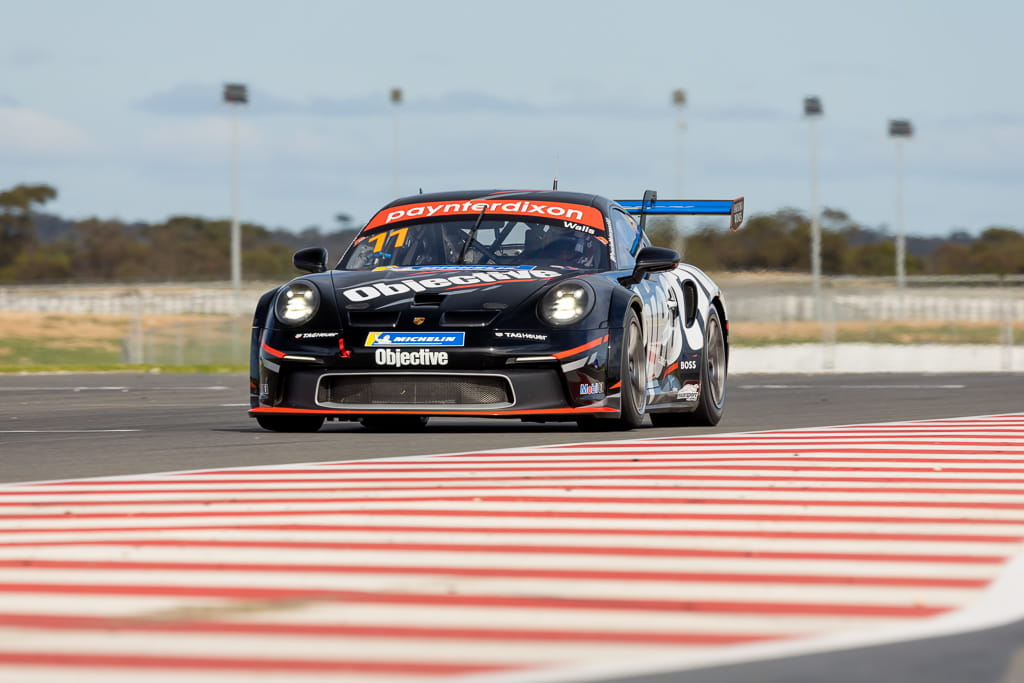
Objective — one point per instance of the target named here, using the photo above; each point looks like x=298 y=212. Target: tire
x=394 y=423
x=290 y=423
x=632 y=378
x=713 y=371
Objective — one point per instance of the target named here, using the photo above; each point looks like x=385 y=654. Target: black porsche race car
x=535 y=305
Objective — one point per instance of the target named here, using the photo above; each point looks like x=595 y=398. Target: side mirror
x=311 y=259
x=654 y=260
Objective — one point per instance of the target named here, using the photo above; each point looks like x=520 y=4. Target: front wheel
x=632 y=378
x=290 y=423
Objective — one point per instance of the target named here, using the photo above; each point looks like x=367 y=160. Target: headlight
x=566 y=303
x=296 y=303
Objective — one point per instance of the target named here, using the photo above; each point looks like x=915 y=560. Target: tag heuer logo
x=418 y=320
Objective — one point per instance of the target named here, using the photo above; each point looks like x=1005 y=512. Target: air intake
x=350 y=391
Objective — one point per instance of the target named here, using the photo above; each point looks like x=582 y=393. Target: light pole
x=396 y=100
x=900 y=130
x=235 y=95
x=812 y=112
x=679 y=102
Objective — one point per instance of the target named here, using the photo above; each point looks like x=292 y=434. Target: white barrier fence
x=881 y=306
x=979 y=320
x=220 y=335
x=750 y=298
x=964 y=299
x=170 y=299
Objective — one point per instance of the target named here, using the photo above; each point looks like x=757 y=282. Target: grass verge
x=219 y=344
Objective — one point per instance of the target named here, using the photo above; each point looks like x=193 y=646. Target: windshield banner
x=525 y=208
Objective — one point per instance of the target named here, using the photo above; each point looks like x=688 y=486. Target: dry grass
x=76 y=331
x=83 y=340
x=90 y=339
x=874 y=331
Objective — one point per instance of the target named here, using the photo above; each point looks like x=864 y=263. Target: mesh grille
x=444 y=390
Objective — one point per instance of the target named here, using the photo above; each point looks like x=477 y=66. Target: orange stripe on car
x=277 y=410
x=582 y=348
x=273 y=352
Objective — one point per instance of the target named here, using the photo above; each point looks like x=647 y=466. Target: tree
x=878 y=258
x=778 y=241
x=17 y=231
x=998 y=250
x=109 y=251
x=53 y=264
x=191 y=248
x=950 y=258
x=662 y=231
x=707 y=248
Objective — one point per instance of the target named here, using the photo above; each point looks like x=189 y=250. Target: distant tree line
x=41 y=248
x=36 y=247
x=781 y=241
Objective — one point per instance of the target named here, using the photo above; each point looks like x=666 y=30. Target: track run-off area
x=556 y=563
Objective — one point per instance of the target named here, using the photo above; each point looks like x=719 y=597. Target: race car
x=534 y=305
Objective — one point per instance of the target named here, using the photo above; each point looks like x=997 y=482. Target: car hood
x=448 y=289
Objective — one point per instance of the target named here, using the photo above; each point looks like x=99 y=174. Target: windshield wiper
x=472 y=236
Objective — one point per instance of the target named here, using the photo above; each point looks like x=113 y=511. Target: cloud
x=197 y=142
x=205 y=99
x=28 y=55
x=198 y=99
x=269 y=145
x=982 y=119
x=470 y=102
x=747 y=114
x=26 y=133
x=367 y=105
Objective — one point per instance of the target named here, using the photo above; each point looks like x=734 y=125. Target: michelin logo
x=415 y=338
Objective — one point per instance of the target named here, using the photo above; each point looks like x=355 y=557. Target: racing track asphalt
x=56 y=426
x=68 y=425
x=993 y=655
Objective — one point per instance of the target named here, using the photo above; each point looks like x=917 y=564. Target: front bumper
x=557 y=383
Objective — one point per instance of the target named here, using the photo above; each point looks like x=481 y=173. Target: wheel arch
x=623 y=300
x=720 y=307
x=259 y=321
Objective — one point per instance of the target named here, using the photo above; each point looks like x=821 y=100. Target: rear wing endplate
x=650 y=205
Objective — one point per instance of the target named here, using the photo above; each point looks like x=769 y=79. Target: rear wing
x=650 y=205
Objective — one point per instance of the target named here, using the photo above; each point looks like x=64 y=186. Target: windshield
x=479 y=240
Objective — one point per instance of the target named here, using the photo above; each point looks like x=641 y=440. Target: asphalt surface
x=75 y=425
x=989 y=656
x=55 y=426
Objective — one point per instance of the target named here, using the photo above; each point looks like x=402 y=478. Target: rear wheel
x=632 y=374
x=713 y=371
x=290 y=423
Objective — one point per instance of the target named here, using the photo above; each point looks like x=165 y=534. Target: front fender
x=259 y=322
x=619 y=303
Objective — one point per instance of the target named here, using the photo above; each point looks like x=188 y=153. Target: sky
x=118 y=104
